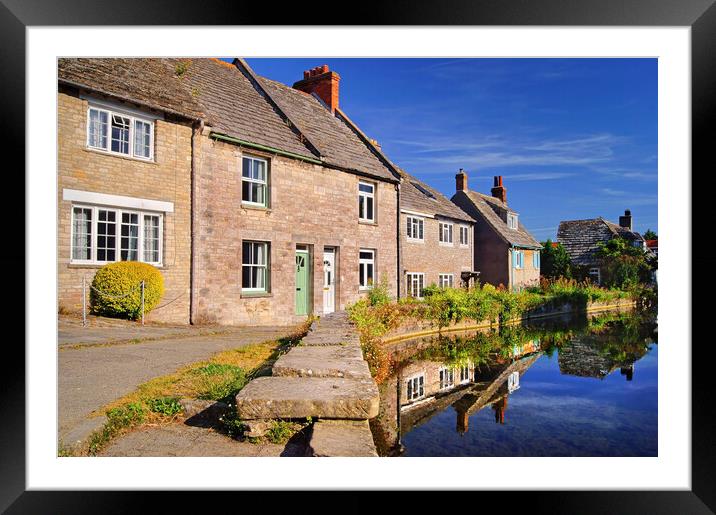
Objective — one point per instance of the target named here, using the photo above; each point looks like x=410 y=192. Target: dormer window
x=512 y=221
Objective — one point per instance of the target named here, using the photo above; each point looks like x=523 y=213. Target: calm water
x=571 y=388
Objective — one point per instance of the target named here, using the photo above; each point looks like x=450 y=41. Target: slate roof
x=493 y=210
x=334 y=139
x=417 y=196
x=580 y=237
x=233 y=101
x=148 y=82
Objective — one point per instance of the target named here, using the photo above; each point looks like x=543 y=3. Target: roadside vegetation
x=219 y=378
x=377 y=314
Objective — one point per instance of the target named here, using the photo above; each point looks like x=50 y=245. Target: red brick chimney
x=498 y=190
x=461 y=180
x=323 y=82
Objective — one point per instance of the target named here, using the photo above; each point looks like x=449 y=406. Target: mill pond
x=579 y=386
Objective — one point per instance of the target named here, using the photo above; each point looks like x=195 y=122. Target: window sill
x=255 y=207
x=443 y=244
x=413 y=240
x=367 y=222
x=121 y=156
x=255 y=295
x=100 y=265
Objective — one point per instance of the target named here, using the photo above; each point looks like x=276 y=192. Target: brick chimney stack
x=323 y=82
x=498 y=190
x=625 y=221
x=461 y=180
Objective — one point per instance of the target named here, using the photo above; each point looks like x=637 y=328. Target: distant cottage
x=581 y=239
x=505 y=252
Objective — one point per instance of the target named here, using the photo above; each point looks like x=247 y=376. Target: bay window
x=103 y=235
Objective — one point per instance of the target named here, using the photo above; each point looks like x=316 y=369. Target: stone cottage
x=505 y=253
x=260 y=203
x=124 y=177
x=581 y=239
x=435 y=239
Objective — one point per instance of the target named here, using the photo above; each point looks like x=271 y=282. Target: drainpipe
x=397 y=234
x=195 y=138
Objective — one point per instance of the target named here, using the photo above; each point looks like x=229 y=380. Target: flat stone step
x=328 y=338
x=341 y=438
x=301 y=397
x=326 y=361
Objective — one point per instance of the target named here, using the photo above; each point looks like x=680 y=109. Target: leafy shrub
x=121 y=296
x=378 y=294
x=168 y=406
x=118 y=419
x=280 y=431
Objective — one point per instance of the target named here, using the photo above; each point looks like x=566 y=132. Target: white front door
x=329 y=280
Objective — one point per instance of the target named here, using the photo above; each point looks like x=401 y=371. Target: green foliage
x=378 y=294
x=118 y=419
x=168 y=406
x=624 y=266
x=231 y=424
x=119 y=284
x=181 y=68
x=220 y=381
x=280 y=431
x=650 y=235
x=554 y=261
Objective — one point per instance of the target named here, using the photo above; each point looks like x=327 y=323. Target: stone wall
x=432 y=257
x=167 y=178
x=309 y=205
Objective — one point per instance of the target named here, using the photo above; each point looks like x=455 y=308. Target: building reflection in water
x=423 y=388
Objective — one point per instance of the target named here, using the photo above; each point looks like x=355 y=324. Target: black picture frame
x=700 y=15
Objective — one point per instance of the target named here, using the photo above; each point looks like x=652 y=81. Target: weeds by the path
x=219 y=378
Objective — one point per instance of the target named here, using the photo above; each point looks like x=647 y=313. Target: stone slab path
x=91 y=377
x=325 y=377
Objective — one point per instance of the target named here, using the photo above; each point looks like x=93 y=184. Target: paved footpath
x=184 y=440
x=91 y=377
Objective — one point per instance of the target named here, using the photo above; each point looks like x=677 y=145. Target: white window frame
x=447 y=378
x=464 y=236
x=264 y=183
x=598 y=273
x=412 y=278
x=266 y=266
x=125 y=114
x=445 y=233
x=412 y=380
x=465 y=377
x=536 y=259
x=118 y=234
x=366 y=195
x=415 y=223
x=448 y=279
x=512 y=221
x=520 y=261
x=366 y=261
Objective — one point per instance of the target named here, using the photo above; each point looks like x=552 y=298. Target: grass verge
x=219 y=378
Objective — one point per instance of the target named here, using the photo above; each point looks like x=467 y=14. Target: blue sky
x=573 y=138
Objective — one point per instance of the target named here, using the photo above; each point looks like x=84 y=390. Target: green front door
x=301 y=282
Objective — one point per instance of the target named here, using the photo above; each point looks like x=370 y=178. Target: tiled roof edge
x=366 y=140
x=155 y=107
x=244 y=67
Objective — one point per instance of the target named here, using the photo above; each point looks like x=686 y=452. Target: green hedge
x=121 y=294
